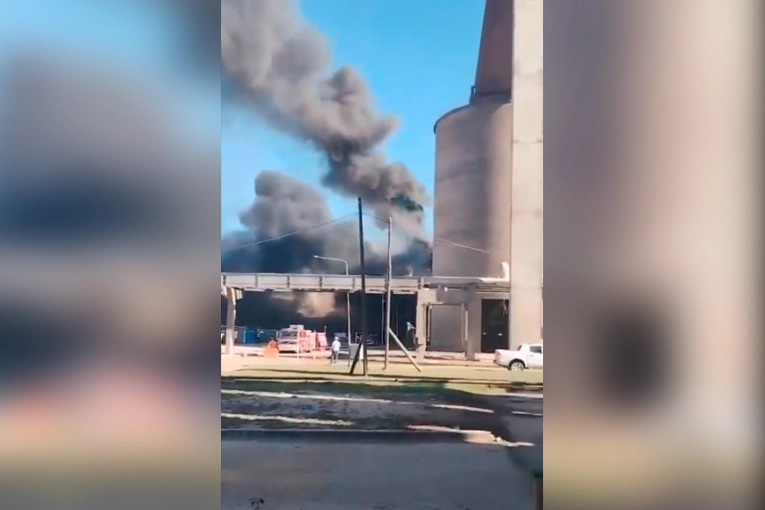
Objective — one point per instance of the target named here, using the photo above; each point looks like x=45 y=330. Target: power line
x=336 y=220
x=435 y=239
x=458 y=245
x=290 y=234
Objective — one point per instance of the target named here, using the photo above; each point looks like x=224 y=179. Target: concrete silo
x=473 y=183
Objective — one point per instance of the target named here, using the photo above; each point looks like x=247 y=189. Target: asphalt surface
x=308 y=475
x=522 y=418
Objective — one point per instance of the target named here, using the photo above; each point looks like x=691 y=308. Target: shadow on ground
x=328 y=398
x=517 y=420
x=320 y=400
x=314 y=376
x=257 y=403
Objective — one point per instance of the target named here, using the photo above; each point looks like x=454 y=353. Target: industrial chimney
x=488 y=189
x=473 y=173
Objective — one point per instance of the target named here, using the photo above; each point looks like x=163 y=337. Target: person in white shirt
x=335 y=351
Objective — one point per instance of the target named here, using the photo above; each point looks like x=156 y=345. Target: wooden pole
x=401 y=346
x=363 y=342
x=230 y=321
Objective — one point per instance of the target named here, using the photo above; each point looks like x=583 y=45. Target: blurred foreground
x=109 y=236
x=326 y=475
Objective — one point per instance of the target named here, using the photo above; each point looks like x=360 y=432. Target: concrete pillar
x=231 y=296
x=464 y=326
x=527 y=182
x=424 y=298
x=473 y=345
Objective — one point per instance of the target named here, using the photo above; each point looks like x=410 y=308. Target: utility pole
x=348 y=319
x=363 y=342
x=389 y=276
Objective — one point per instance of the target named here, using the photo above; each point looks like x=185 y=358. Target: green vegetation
x=398 y=379
x=314 y=394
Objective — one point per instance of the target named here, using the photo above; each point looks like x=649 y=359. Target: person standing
x=334 y=351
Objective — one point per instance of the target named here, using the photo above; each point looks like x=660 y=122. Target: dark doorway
x=494 y=325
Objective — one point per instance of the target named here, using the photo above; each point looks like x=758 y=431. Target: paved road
x=522 y=417
x=321 y=475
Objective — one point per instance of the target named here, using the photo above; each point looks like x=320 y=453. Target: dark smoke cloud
x=279 y=66
x=288 y=224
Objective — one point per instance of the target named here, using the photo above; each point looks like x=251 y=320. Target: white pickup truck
x=525 y=356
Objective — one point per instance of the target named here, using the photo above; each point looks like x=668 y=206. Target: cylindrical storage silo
x=472 y=201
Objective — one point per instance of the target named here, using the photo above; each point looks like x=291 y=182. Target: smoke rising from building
x=278 y=66
x=288 y=224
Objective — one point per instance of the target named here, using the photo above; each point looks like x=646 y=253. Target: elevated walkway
x=265 y=282
x=463 y=292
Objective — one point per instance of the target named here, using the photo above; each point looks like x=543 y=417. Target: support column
x=231 y=297
x=473 y=344
x=527 y=182
x=424 y=298
x=464 y=327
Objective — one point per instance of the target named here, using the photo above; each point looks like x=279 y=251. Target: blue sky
x=419 y=57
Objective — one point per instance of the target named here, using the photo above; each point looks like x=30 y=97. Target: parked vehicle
x=295 y=339
x=525 y=356
x=298 y=339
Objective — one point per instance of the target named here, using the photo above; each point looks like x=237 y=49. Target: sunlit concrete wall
x=472 y=205
x=527 y=175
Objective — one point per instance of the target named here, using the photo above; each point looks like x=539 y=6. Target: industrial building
x=488 y=188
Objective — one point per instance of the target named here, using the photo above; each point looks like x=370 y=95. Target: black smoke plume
x=290 y=223
x=287 y=226
x=279 y=66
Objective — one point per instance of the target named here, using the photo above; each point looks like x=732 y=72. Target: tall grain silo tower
x=475 y=188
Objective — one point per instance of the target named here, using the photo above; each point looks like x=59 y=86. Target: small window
x=536 y=349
